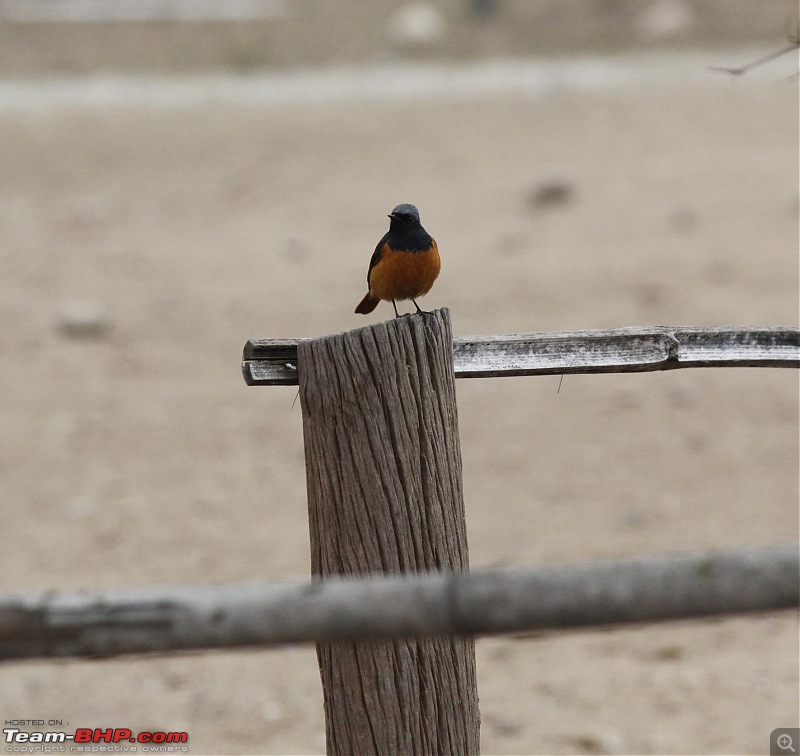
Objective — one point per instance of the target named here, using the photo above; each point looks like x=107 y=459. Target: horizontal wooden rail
x=136 y=621
x=271 y=362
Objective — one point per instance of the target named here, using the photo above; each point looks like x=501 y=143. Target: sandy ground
x=138 y=456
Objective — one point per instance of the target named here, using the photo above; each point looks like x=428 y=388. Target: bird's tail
x=367 y=305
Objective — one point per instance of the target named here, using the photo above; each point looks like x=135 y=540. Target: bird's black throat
x=408 y=236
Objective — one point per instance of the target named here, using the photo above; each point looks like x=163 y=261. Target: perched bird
x=405 y=263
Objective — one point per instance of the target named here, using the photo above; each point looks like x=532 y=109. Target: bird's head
x=405 y=214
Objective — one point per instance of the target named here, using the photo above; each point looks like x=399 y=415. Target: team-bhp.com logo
x=89 y=740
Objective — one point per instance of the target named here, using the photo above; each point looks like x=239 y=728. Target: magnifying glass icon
x=785 y=743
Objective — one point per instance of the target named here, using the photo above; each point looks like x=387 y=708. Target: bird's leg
x=394 y=304
x=417 y=306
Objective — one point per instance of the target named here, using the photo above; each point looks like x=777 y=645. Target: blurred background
x=178 y=177
x=245 y=35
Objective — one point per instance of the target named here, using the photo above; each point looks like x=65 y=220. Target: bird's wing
x=376 y=255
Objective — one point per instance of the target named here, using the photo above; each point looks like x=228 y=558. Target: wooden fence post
x=385 y=495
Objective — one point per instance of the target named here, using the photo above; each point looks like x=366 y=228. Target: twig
x=738 y=71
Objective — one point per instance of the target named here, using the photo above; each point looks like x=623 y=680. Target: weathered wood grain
x=383 y=472
x=620 y=350
x=557 y=597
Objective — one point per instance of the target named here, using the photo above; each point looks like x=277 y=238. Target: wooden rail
x=273 y=362
x=255 y=614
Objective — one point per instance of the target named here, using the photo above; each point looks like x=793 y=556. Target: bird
x=405 y=263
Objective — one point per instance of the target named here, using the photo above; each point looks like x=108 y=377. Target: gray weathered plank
x=619 y=350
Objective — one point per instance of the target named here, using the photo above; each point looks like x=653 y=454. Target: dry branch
x=739 y=70
x=620 y=350
x=131 y=621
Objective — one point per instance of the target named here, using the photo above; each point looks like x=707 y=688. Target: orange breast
x=404 y=275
